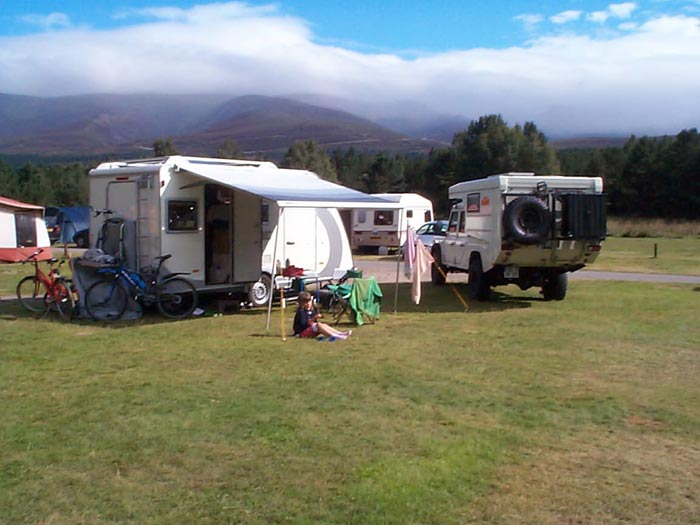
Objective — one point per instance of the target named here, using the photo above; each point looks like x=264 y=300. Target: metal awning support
x=280 y=210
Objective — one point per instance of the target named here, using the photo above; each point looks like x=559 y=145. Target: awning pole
x=274 y=268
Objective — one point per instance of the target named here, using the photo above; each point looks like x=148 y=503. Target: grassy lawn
x=518 y=411
x=675 y=256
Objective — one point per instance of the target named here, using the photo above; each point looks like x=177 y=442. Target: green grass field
x=675 y=256
x=517 y=411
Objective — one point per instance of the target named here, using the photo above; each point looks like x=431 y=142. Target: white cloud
x=644 y=80
x=47 y=22
x=530 y=21
x=599 y=17
x=565 y=17
x=622 y=11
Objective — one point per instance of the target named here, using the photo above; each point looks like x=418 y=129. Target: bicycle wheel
x=31 y=294
x=176 y=298
x=106 y=300
x=62 y=299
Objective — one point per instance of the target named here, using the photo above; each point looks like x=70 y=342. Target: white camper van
x=309 y=238
x=386 y=227
x=207 y=213
x=523 y=229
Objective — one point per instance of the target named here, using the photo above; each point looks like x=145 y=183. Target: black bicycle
x=107 y=300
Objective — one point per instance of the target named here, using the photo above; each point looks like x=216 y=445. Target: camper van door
x=247 y=237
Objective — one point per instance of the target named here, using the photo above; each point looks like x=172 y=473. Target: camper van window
x=473 y=200
x=182 y=216
x=409 y=214
x=461 y=221
x=383 y=218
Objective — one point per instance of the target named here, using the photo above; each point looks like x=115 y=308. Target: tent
x=70 y=220
x=22 y=231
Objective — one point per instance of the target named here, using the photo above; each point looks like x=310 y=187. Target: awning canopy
x=289 y=188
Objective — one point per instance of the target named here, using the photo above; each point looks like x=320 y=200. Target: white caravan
x=386 y=227
x=521 y=228
x=207 y=213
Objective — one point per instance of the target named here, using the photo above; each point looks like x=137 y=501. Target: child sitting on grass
x=306 y=325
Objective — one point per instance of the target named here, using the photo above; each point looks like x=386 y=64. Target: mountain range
x=127 y=125
x=197 y=125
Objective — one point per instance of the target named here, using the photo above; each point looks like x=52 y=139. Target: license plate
x=511 y=272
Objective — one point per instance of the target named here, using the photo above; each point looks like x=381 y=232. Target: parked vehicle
x=386 y=227
x=523 y=229
x=206 y=212
x=432 y=232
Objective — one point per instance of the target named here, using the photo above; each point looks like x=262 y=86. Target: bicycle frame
x=57 y=291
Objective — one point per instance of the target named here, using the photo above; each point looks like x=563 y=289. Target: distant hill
x=128 y=124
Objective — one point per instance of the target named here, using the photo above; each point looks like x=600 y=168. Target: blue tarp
x=71 y=220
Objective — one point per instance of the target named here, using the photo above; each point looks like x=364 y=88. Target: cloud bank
x=643 y=78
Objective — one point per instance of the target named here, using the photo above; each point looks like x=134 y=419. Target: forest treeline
x=648 y=177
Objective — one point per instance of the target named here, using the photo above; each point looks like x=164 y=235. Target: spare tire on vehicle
x=527 y=220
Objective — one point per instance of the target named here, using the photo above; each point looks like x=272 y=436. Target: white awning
x=289 y=188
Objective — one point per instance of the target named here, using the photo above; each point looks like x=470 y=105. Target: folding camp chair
x=336 y=296
x=365 y=300
x=361 y=301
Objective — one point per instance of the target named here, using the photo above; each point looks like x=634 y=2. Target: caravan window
x=383 y=218
x=182 y=216
x=428 y=216
x=409 y=214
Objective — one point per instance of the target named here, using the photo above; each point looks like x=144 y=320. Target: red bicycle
x=42 y=293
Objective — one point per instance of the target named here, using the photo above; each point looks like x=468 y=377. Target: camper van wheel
x=259 y=293
x=437 y=271
x=478 y=287
x=554 y=286
x=176 y=298
x=527 y=220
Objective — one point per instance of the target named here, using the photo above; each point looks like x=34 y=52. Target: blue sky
x=575 y=66
x=404 y=27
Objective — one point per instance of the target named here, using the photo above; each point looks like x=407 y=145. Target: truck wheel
x=259 y=294
x=437 y=271
x=478 y=287
x=527 y=220
x=554 y=286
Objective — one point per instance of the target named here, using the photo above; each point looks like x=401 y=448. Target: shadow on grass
x=435 y=299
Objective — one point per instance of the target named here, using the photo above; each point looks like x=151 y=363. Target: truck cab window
x=454 y=221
